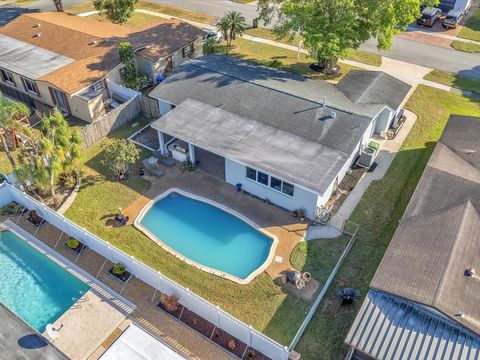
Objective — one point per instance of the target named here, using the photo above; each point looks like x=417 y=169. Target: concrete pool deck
x=273 y=220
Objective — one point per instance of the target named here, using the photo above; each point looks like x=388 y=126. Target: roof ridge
x=458 y=158
x=271 y=88
x=466 y=205
x=379 y=73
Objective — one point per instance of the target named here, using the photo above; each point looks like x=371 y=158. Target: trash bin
x=239 y=187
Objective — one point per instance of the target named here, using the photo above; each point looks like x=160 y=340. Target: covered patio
x=285 y=169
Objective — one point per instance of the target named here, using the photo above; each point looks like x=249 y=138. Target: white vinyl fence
x=195 y=303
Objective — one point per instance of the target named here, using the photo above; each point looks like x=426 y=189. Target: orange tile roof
x=93 y=44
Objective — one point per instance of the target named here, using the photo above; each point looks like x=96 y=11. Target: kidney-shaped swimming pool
x=214 y=239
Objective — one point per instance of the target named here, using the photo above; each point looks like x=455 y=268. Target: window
x=267 y=180
x=30 y=86
x=188 y=51
x=262 y=178
x=98 y=86
x=276 y=184
x=251 y=174
x=287 y=188
x=7 y=77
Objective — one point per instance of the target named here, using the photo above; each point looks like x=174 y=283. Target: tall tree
x=58 y=5
x=10 y=113
x=231 y=26
x=130 y=77
x=117 y=11
x=331 y=27
x=119 y=154
x=57 y=150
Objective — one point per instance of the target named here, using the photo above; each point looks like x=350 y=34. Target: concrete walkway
x=388 y=150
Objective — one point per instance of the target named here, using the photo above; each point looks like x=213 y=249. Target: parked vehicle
x=452 y=19
x=429 y=17
x=463 y=6
x=212 y=34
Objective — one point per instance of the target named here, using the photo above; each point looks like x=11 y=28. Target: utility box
x=367 y=157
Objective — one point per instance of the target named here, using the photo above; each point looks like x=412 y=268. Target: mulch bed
x=223 y=338
x=198 y=323
x=175 y=313
x=219 y=336
x=351 y=179
x=254 y=355
x=122 y=278
x=36 y=220
x=78 y=249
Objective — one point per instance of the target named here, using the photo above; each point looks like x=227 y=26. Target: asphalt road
x=403 y=49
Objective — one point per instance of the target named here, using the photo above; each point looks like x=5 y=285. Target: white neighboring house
x=283 y=137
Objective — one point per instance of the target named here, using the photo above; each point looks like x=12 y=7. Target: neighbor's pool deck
x=146 y=315
x=269 y=218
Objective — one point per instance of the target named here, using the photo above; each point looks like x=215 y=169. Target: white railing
x=189 y=299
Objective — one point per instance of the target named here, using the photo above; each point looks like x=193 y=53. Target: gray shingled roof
x=437 y=239
x=290 y=157
x=283 y=100
x=388 y=327
x=373 y=87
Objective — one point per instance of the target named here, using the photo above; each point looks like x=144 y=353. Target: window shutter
x=24 y=85
x=66 y=102
x=36 y=89
x=52 y=96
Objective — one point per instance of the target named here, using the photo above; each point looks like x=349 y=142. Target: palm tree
x=57 y=150
x=223 y=26
x=236 y=22
x=10 y=113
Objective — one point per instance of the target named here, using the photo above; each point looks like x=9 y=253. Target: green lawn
x=378 y=214
x=264 y=54
x=319 y=257
x=466 y=47
x=165 y=9
x=137 y=19
x=451 y=79
x=355 y=55
x=471 y=30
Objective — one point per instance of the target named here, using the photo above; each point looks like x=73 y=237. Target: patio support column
x=191 y=151
x=161 y=140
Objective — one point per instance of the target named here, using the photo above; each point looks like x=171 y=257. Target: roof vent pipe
x=461 y=314
x=470 y=272
x=333 y=114
x=94 y=42
x=37 y=35
x=38 y=25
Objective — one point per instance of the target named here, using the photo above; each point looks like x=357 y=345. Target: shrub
x=188 y=166
x=68 y=179
x=118 y=269
x=169 y=302
x=232 y=344
x=72 y=243
x=275 y=63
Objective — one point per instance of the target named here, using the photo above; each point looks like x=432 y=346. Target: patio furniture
x=151 y=165
x=165 y=160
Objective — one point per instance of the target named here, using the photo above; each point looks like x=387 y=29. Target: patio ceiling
x=305 y=163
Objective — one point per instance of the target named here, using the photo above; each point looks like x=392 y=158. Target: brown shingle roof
x=438 y=237
x=93 y=44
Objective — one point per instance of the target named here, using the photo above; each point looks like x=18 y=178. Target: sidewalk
x=413 y=29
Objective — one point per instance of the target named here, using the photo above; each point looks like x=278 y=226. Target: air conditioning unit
x=367 y=157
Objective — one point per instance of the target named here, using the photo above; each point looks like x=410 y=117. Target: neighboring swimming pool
x=34 y=287
x=212 y=238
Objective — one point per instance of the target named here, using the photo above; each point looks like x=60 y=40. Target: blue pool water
x=33 y=286
x=207 y=235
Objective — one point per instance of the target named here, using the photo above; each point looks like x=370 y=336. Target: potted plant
x=301 y=214
x=34 y=218
x=169 y=302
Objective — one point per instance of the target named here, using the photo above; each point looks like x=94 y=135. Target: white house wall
x=302 y=199
x=164 y=107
